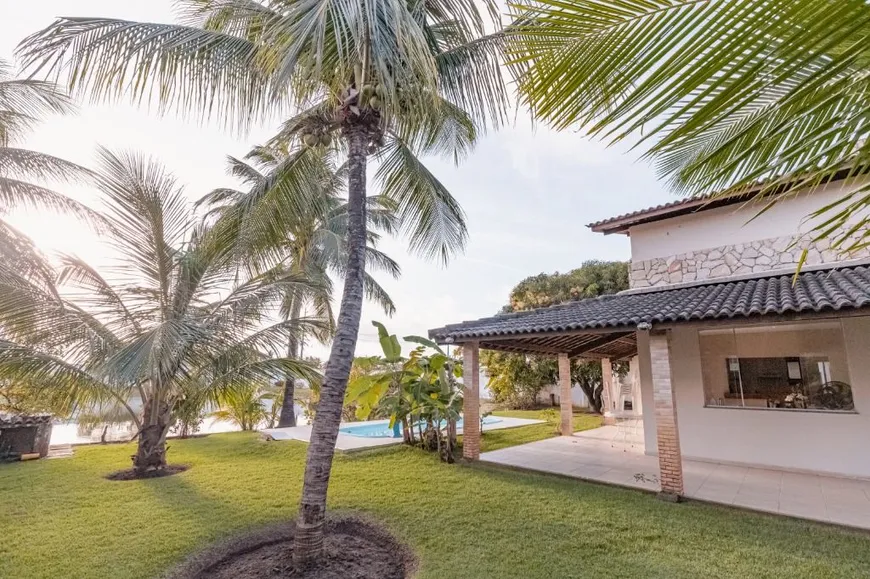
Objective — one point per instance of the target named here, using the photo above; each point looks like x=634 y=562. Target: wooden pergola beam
x=599 y=343
x=520 y=348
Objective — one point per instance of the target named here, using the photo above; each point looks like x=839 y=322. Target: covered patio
x=799 y=462
x=601 y=455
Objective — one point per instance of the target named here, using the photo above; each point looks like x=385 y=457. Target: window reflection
x=795 y=367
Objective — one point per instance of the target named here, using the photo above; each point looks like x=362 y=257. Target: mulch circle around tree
x=131 y=474
x=355 y=549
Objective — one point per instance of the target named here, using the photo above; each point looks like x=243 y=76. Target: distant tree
x=592 y=279
x=517 y=379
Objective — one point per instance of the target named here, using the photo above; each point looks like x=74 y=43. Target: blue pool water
x=381 y=428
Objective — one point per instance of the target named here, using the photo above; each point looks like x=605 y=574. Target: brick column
x=667 y=433
x=607 y=390
x=471 y=401
x=565 y=405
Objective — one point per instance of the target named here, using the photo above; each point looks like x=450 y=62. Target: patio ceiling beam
x=599 y=343
x=519 y=348
x=551 y=333
x=621 y=356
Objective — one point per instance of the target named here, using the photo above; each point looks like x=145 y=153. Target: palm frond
x=26 y=164
x=237 y=17
x=217 y=200
x=721 y=94
x=75 y=270
x=244 y=172
x=428 y=214
x=261 y=371
x=257 y=223
x=322 y=306
x=30 y=98
x=320 y=113
x=471 y=77
x=379 y=295
x=185 y=68
x=265 y=288
x=44 y=372
x=19 y=194
x=20 y=258
x=381 y=214
x=377 y=260
x=441 y=129
x=150 y=215
x=272 y=338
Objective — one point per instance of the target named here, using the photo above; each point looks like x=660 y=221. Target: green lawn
x=496 y=439
x=60 y=518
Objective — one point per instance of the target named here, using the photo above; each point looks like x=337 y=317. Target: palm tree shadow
x=188 y=501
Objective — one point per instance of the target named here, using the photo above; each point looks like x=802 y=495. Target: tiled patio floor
x=595 y=455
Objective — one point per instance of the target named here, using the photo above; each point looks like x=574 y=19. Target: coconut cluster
x=314 y=139
x=372 y=96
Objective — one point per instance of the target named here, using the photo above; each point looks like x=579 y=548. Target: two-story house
x=739 y=362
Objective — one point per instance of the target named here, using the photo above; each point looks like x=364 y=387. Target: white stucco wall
x=729 y=225
x=802 y=441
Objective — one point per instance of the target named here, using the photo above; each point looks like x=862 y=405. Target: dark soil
x=130 y=474
x=355 y=549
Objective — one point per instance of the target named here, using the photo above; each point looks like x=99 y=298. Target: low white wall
x=578 y=397
x=803 y=441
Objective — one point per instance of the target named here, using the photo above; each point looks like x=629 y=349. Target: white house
x=739 y=362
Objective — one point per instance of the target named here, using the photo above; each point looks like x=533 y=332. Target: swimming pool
x=381 y=428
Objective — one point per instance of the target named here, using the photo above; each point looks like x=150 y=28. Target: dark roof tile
x=16 y=420
x=814 y=291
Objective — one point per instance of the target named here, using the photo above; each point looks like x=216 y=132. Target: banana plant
x=419 y=392
x=368 y=390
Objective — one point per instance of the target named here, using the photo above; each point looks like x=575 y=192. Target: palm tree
x=391 y=79
x=23 y=102
x=170 y=319
x=313 y=244
x=722 y=94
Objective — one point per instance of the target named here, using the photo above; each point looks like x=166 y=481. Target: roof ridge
x=725 y=196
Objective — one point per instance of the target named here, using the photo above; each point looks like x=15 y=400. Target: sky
x=528 y=191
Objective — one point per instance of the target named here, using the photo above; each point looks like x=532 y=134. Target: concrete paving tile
x=840 y=501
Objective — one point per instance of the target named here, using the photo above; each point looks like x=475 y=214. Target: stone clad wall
x=761 y=256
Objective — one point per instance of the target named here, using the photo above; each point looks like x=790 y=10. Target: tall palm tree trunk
x=308 y=544
x=288 y=414
x=151 y=449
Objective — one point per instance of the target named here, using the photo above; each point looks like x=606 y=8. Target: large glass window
x=790 y=366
